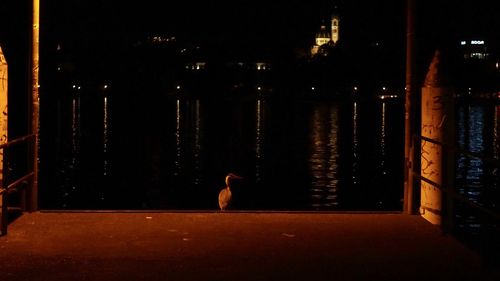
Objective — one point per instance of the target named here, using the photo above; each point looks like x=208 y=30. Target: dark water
x=300 y=155
x=478 y=178
x=122 y=152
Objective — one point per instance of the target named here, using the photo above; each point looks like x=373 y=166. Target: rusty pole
x=35 y=99
x=408 y=201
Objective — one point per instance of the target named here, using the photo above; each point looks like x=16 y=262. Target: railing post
x=35 y=99
x=409 y=190
x=3 y=139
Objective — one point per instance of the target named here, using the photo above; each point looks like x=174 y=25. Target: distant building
x=325 y=35
x=474 y=49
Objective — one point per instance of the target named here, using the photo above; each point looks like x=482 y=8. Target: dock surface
x=233 y=246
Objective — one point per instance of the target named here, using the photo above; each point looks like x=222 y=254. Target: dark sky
x=264 y=22
x=249 y=23
x=227 y=22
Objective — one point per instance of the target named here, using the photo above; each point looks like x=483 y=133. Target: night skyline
x=258 y=25
x=261 y=22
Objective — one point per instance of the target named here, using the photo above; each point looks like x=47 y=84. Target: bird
x=225 y=195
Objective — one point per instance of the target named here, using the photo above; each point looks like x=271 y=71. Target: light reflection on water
x=324 y=156
x=355 y=144
x=383 y=140
x=259 y=140
x=75 y=131
x=197 y=145
x=106 y=136
x=477 y=179
x=479 y=135
x=311 y=155
x=178 y=144
x=71 y=170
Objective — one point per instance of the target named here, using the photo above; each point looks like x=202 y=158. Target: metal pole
x=408 y=203
x=35 y=66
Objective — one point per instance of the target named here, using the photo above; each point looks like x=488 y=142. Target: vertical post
x=4 y=213
x=35 y=66
x=408 y=201
x=437 y=124
x=4 y=74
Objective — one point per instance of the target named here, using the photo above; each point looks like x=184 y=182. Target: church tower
x=335 y=26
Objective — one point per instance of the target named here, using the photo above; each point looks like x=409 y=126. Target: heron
x=225 y=195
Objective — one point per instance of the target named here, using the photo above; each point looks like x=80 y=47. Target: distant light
x=261 y=66
x=178 y=87
x=313 y=88
x=79 y=87
x=355 y=88
x=197 y=67
x=497 y=65
x=58 y=68
x=105 y=86
x=384 y=88
x=463 y=43
x=477 y=42
x=259 y=88
x=74 y=86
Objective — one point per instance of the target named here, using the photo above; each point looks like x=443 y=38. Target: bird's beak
x=236 y=177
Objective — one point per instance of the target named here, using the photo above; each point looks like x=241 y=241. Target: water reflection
x=70 y=170
x=477 y=178
x=105 y=141
x=470 y=137
x=178 y=132
x=355 y=144
x=259 y=140
x=188 y=141
x=383 y=141
x=197 y=145
x=75 y=132
x=296 y=152
x=323 y=161
x=496 y=137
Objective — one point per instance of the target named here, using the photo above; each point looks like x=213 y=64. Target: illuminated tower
x=327 y=36
x=335 y=26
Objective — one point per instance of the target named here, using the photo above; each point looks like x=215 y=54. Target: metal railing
x=451 y=191
x=19 y=184
x=487 y=217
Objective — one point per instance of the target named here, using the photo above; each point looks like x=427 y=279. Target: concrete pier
x=233 y=246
